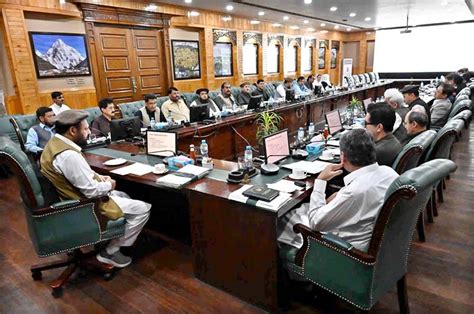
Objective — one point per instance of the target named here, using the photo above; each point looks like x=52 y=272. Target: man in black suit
x=411 y=96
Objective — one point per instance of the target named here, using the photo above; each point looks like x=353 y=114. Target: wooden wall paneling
x=91 y=44
x=165 y=38
x=21 y=59
x=238 y=59
x=76 y=99
x=45 y=6
x=13 y=104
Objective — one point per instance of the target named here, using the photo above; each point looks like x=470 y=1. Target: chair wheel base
x=57 y=292
x=36 y=275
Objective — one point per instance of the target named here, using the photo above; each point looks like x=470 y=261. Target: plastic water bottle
x=300 y=135
x=204 y=149
x=248 y=155
x=152 y=123
x=311 y=129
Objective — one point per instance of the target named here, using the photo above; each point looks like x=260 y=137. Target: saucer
x=326 y=158
x=115 y=162
x=163 y=172
x=297 y=178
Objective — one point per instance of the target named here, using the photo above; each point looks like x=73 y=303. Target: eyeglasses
x=369 y=123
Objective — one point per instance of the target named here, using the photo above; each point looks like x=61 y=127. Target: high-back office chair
x=460 y=106
x=466 y=116
x=460 y=98
x=21 y=124
x=128 y=110
x=63 y=227
x=360 y=278
x=411 y=153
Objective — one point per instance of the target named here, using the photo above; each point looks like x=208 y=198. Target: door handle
x=134 y=84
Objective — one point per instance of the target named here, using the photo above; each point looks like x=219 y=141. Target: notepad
x=311 y=167
x=137 y=168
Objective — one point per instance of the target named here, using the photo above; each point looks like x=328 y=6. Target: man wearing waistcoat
x=149 y=111
x=40 y=134
x=63 y=164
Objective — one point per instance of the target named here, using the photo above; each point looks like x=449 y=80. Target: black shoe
x=117 y=259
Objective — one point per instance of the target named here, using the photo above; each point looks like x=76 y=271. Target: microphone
x=186 y=120
x=102 y=133
x=271 y=169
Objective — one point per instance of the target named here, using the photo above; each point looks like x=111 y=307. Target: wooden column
x=206 y=37
x=21 y=59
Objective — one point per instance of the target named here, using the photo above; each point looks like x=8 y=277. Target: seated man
x=325 y=81
x=351 y=214
x=379 y=124
x=243 y=98
x=441 y=106
x=203 y=99
x=300 y=87
x=63 y=164
x=457 y=81
x=394 y=98
x=58 y=105
x=411 y=96
x=149 y=111
x=260 y=90
x=309 y=82
x=101 y=124
x=175 y=108
x=283 y=87
x=225 y=98
x=415 y=123
x=41 y=133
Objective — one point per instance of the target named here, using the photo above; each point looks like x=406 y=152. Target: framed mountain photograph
x=59 y=54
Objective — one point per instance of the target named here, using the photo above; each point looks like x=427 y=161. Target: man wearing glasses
x=379 y=123
x=58 y=105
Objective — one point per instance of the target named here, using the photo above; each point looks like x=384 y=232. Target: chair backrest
x=270 y=90
x=128 y=109
x=189 y=98
x=235 y=91
x=465 y=91
x=404 y=200
x=213 y=94
x=94 y=112
x=460 y=98
x=21 y=124
x=459 y=106
x=441 y=145
x=411 y=153
x=464 y=115
x=7 y=129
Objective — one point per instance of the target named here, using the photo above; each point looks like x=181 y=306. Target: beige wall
x=55 y=23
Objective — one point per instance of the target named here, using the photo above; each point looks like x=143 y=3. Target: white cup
x=298 y=173
x=160 y=168
x=327 y=154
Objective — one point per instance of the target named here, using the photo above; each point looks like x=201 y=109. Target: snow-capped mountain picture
x=58 y=54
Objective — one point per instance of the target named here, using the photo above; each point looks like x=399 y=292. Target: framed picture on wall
x=186 y=62
x=59 y=54
x=223 y=59
x=334 y=51
x=322 y=54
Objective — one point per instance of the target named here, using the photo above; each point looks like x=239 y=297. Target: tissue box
x=314 y=148
x=178 y=162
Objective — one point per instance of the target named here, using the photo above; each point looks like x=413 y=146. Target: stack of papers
x=273 y=205
x=183 y=176
x=173 y=181
x=311 y=167
x=137 y=168
x=195 y=170
x=333 y=143
x=283 y=185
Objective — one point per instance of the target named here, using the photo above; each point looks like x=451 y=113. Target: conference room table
x=234 y=245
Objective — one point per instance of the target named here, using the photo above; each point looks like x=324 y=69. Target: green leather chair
x=94 y=112
x=235 y=91
x=55 y=226
x=466 y=116
x=460 y=106
x=362 y=278
x=460 y=98
x=411 y=153
x=21 y=124
x=128 y=109
x=7 y=129
x=270 y=90
x=189 y=98
x=465 y=91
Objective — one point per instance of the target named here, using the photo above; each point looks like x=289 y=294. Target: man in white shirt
x=351 y=213
x=283 y=87
x=63 y=164
x=58 y=105
x=175 y=108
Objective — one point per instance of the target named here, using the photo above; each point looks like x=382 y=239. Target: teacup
x=160 y=168
x=298 y=173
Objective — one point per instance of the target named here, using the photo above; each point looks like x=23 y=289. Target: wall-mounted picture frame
x=334 y=51
x=323 y=44
x=186 y=59
x=223 y=61
x=59 y=54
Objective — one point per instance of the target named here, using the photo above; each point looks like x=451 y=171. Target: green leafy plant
x=354 y=103
x=268 y=122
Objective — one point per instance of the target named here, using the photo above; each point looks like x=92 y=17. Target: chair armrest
x=330 y=241
x=70 y=203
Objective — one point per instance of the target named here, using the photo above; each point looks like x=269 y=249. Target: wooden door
x=129 y=62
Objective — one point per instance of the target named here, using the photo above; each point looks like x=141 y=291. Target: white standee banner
x=346 y=68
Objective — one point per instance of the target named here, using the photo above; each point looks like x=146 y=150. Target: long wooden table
x=224 y=143
x=234 y=244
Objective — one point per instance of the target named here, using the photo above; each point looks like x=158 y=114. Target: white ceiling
x=383 y=13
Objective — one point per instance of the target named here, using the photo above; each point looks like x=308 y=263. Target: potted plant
x=268 y=122
x=354 y=109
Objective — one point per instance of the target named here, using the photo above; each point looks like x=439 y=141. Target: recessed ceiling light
x=151 y=7
x=367 y=19
x=311 y=29
x=254 y=22
x=348 y=29
x=308 y=1
x=193 y=13
x=227 y=18
x=333 y=9
x=286 y=17
x=324 y=32
x=294 y=27
x=352 y=14
x=229 y=7
x=336 y=26
x=261 y=13
x=188 y=1
x=306 y=21
x=276 y=24
x=323 y=24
